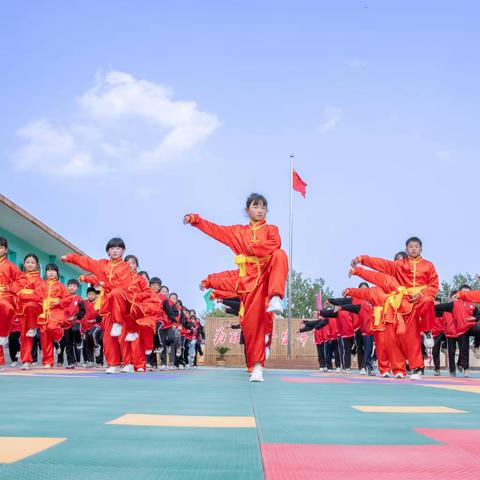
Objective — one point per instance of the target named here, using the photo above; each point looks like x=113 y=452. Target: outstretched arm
x=221 y=233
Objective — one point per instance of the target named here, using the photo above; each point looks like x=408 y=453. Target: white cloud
x=356 y=63
x=126 y=124
x=331 y=118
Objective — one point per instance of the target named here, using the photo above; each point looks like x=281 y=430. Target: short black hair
x=91 y=289
x=413 y=239
x=468 y=287
x=402 y=254
x=129 y=257
x=156 y=280
x=454 y=292
x=144 y=273
x=255 y=199
x=3 y=242
x=115 y=242
x=73 y=281
x=164 y=286
x=363 y=284
x=51 y=266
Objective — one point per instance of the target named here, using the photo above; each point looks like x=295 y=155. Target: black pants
x=198 y=351
x=464 y=346
x=347 y=352
x=451 y=347
x=13 y=345
x=36 y=346
x=360 y=349
x=93 y=338
x=321 y=355
x=73 y=338
x=333 y=348
x=437 y=345
x=166 y=338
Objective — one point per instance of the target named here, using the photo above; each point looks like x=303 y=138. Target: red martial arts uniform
x=29 y=307
x=262 y=273
x=54 y=294
x=9 y=274
x=115 y=275
x=408 y=314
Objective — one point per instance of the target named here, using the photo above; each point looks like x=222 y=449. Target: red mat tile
x=457 y=458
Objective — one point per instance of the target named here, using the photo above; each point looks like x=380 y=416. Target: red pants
x=424 y=312
x=28 y=319
x=410 y=341
x=120 y=305
x=382 y=354
x=7 y=311
x=256 y=322
x=394 y=350
x=111 y=345
x=49 y=333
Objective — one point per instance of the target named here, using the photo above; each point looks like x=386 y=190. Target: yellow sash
x=394 y=299
x=242 y=260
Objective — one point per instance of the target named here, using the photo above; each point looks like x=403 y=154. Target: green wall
x=18 y=249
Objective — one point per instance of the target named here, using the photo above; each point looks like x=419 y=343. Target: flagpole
x=290 y=252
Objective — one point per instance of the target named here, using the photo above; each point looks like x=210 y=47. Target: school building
x=26 y=234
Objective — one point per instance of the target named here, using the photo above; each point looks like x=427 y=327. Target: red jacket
x=461 y=311
x=9 y=273
x=345 y=324
x=73 y=306
x=89 y=320
x=438 y=326
x=449 y=325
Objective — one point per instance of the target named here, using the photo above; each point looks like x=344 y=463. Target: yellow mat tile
x=405 y=409
x=458 y=388
x=184 y=421
x=13 y=449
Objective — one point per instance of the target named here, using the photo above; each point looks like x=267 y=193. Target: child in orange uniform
x=262 y=272
x=54 y=295
x=9 y=274
x=28 y=290
x=115 y=277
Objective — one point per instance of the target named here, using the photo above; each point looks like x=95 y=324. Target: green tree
x=304 y=294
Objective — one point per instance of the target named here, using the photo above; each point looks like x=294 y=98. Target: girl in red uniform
x=29 y=306
x=54 y=295
x=262 y=272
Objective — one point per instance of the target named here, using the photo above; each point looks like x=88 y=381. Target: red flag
x=298 y=184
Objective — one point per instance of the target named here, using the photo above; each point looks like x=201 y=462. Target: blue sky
x=119 y=117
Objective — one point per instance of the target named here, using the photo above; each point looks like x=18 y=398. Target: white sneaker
x=116 y=330
x=386 y=375
x=31 y=332
x=400 y=375
x=275 y=306
x=363 y=371
x=14 y=364
x=112 y=370
x=181 y=367
x=187 y=366
x=47 y=366
x=338 y=370
x=171 y=367
x=415 y=376
x=163 y=367
x=127 y=369
x=348 y=371
x=466 y=373
x=131 y=337
x=148 y=352
x=257 y=374
x=141 y=370
x=26 y=366
x=4 y=341
x=476 y=352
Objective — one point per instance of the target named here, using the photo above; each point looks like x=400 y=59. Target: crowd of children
x=129 y=319
x=398 y=321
